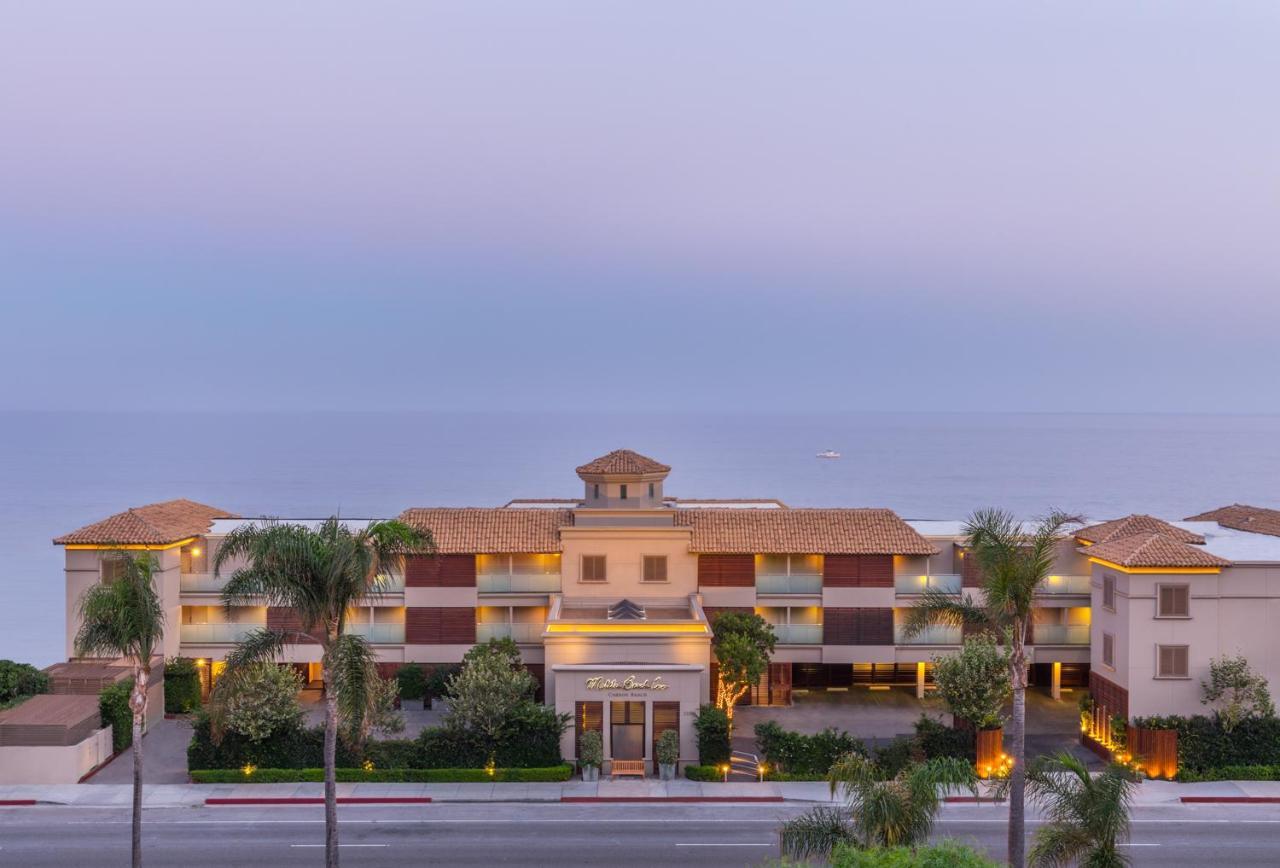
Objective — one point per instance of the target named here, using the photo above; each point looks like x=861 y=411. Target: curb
x=307 y=800
x=971 y=800
x=16 y=803
x=1230 y=800
x=665 y=799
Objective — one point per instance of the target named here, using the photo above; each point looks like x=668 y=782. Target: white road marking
x=733 y=844
x=340 y=845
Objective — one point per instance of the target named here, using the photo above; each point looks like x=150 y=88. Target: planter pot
x=990 y=749
x=667 y=771
x=591 y=773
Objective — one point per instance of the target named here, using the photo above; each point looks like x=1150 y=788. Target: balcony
x=1060 y=634
x=216 y=634
x=518 y=583
x=525 y=633
x=1065 y=585
x=935 y=634
x=378 y=634
x=391 y=584
x=201 y=583
x=767 y=583
x=947 y=583
x=798 y=634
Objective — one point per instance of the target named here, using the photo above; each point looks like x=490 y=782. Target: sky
x=638 y=206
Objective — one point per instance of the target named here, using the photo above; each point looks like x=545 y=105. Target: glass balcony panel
x=798 y=634
x=378 y=634
x=947 y=583
x=392 y=583
x=524 y=632
x=519 y=583
x=773 y=583
x=1061 y=634
x=201 y=583
x=216 y=634
x=1078 y=585
x=935 y=634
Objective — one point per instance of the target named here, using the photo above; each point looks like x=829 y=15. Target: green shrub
x=444 y=747
x=265 y=701
x=704 y=773
x=591 y=749
x=938 y=740
x=553 y=774
x=412 y=681
x=712 y=726
x=295 y=747
x=787 y=777
x=944 y=854
x=530 y=737
x=896 y=755
x=113 y=709
x=181 y=686
x=436 y=685
x=800 y=754
x=1230 y=773
x=1204 y=743
x=19 y=681
x=668 y=749
x=400 y=753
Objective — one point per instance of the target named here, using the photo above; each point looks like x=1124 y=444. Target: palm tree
x=881 y=813
x=124 y=618
x=1087 y=818
x=1013 y=563
x=318 y=573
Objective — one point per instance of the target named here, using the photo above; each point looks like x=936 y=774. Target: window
x=650 y=490
x=1171 y=661
x=113 y=567
x=595 y=491
x=593 y=568
x=622 y=492
x=655 y=568
x=1109 y=650
x=1109 y=592
x=1173 y=601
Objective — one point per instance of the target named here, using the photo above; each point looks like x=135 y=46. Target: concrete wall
x=83 y=569
x=624 y=548
x=55 y=765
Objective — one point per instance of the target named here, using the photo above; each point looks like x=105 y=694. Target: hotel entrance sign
x=631 y=682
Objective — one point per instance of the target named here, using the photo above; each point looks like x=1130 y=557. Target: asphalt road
x=539 y=835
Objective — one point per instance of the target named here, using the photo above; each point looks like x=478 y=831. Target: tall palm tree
x=319 y=573
x=881 y=813
x=1087 y=817
x=124 y=618
x=1013 y=562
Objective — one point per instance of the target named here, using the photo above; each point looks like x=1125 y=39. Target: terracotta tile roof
x=623 y=461
x=1153 y=550
x=1135 y=524
x=807 y=531
x=491 y=531
x=153 y=524
x=1238 y=516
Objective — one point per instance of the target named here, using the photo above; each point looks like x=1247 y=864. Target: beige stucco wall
x=83 y=570
x=54 y=765
x=623 y=548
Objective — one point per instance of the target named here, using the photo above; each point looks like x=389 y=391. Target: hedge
x=554 y=774
x=1230 y=773
x=946 y=853
x=412 y=680
x=113 y=709
x=18 y=681
x=805 y=755
x=712 y=726
x=181 y=686
x=292 y=748
x=1204 y=745
x=711 y=774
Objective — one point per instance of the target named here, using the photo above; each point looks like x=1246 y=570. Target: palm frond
x=816 y=832
x=123 y=617
x=354 y=667
x=1088 y=815
x=259 y=646
x=938 y=607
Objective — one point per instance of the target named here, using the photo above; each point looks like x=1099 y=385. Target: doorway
x=626 y=729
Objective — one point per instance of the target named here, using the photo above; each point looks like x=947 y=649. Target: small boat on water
x=828 y=453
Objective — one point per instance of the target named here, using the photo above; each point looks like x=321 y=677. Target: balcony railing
x=392 y=583
x=1077 y=585
x=798 y=634
x=935 y=634
x=1060 y=634
x=216 y=634
x=523 y=632
x=947 y=583
x=782 y=584
x=201 y=583
x=518 y=583
x=378 y=634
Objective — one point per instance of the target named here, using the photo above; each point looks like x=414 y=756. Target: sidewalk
x=1150 y=793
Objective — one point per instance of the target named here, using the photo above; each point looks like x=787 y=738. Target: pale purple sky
x=641 y=205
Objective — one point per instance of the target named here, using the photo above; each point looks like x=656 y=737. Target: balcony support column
x=1055 y=683
x=920 y=680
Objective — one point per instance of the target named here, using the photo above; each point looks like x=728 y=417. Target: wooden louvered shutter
x=587 y=717
x=666 y=715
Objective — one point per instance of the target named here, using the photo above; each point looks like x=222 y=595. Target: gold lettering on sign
x=631 y=682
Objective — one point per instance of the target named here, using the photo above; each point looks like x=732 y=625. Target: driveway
x=164 y=757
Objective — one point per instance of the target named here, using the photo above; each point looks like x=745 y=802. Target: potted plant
x=436 y=686
x=975 y=686
x=591 y=755
x=668 y=754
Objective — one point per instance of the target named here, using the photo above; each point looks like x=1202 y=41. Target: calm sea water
x=60 y=471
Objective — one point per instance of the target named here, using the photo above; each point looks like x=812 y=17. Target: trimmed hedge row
x=1204 y=745
x=113 y=709
x=181 y=686
x=554 y=774
x=712 y=726
x=709 y=774
x=805 y=755
x=1230 y=773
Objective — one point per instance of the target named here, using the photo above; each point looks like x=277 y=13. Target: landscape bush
x=712 y=727
x=19 y=681
x=706 y=773
x=1204 y=743
x=181 y=686
x=294 y=747
x=944 y=854
x=412 y=681
x=113 y=709
x=553 y=774
x=938 y=740
x=1230 y=773
x=799 y=754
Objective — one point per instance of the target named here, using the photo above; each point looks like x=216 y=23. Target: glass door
x=626 y=729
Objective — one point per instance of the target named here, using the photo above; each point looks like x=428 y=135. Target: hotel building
x=611 y=596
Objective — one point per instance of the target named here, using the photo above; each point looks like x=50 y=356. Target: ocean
x=59 y=471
